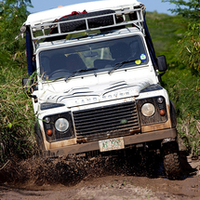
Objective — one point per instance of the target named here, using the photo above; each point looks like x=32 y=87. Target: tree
x=189 y=43
x=188 y=9
x=12 y=15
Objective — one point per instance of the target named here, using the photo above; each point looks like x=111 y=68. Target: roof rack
x=49 y=29
x=137 y=21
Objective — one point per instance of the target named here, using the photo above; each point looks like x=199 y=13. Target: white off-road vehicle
x=95 y=82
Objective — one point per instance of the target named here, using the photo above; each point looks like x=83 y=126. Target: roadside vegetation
x=177 y=37
x=16 y=115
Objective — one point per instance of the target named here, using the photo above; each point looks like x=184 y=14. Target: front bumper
x=128 y=140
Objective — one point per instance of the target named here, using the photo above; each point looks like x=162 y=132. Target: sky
x=151 y=5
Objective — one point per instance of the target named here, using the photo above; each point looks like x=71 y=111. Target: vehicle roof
x=52 y=14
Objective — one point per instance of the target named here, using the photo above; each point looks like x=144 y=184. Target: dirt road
x=111 y=178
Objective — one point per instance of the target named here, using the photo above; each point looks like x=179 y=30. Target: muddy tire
x=171 y=160
x=39 y=139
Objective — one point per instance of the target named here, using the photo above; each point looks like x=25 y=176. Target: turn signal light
x=49 y=132
x=162 y=112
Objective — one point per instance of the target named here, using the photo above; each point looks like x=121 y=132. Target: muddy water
x=100 y=177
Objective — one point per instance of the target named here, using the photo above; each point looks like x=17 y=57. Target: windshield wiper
x=79 y=71
x=120 y=64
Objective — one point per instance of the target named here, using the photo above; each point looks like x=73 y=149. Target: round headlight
x=61 y=124
x=148 y=109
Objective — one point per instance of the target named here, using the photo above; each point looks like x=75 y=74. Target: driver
x=61 y=63
x=74 y=63
x=120 y=52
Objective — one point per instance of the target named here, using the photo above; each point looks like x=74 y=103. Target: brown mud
x=131 y=176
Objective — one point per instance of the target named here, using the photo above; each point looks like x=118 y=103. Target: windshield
x=92 y=58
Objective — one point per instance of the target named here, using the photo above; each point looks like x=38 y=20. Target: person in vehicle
x=120 y=52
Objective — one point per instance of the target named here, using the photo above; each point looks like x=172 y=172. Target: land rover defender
x=95 y=82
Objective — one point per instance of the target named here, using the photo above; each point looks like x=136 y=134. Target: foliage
x=184 y=90
x=188 y=47
x=187 y=50
x=12 y=15
x=164 y=30
x=15 y=121
x=188 y=9
x=16 y=118
x=181 y=83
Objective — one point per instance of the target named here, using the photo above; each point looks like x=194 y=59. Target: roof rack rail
x=45 y=27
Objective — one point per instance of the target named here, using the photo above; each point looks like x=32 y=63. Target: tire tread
x=171 y=161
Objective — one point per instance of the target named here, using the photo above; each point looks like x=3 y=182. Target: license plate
x=111 y=144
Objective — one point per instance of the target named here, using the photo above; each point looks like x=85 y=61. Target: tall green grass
x=16 y=114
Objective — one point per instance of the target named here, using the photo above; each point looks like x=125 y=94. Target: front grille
x=107 y=121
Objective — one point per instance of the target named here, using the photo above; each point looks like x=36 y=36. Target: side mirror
x=162 y=64
x=29 y=86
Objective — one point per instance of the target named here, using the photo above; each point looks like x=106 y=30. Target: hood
x=78 y=96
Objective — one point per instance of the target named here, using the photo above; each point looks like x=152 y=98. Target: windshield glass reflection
x=102 y=56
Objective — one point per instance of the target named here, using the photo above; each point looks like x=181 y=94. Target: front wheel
x=171 y=160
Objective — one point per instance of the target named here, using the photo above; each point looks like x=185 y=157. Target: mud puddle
x=99 y=177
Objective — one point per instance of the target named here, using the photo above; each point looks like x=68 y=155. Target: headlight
x=148 y=109
x=61 y=124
